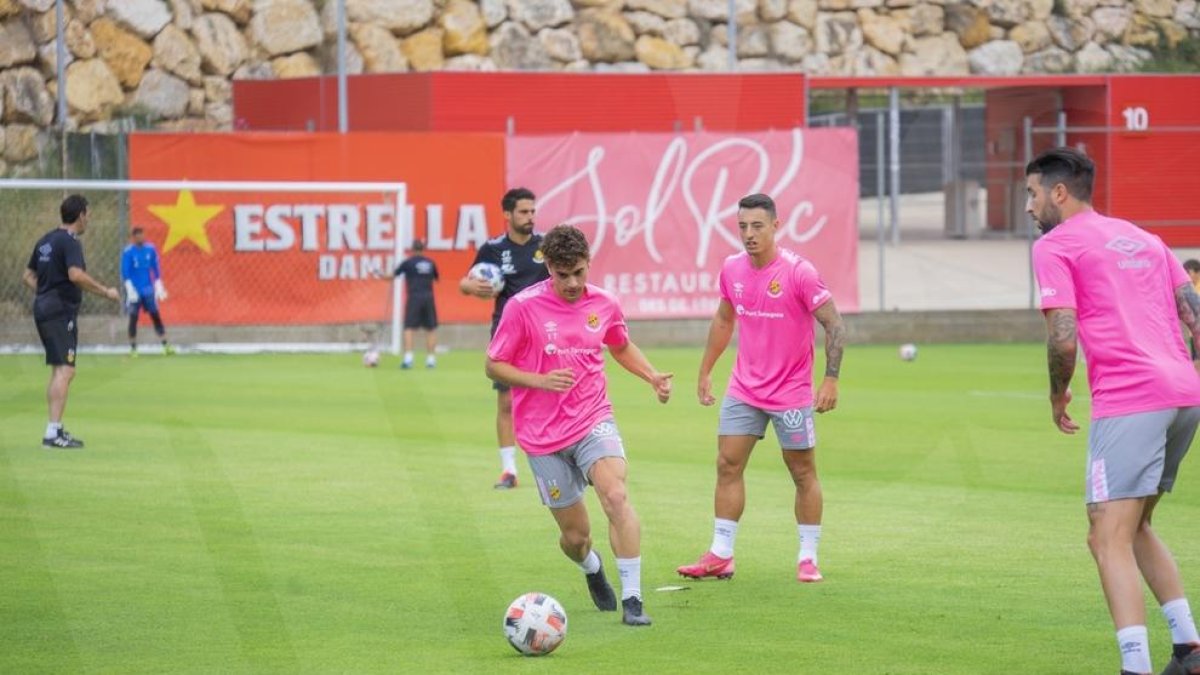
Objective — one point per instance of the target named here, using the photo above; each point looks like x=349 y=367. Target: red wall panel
x=557 y=103
x=392 y=102
x=1154 y=175
x=1004 y=115
x=1087 y=107
x=535 y=102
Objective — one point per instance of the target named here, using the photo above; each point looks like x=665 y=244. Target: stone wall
x=172 y=60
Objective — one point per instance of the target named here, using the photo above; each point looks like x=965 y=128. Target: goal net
x=248 y=265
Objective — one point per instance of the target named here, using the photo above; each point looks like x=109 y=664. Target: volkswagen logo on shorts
x=604 y=429
x=793 y=418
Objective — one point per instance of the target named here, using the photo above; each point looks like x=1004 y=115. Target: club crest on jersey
x=738 y=287
x=593 y=323
x=551 y=329
x=774 y=289
x=538 y=257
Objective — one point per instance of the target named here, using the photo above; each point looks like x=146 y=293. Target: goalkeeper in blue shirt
x=143 y=287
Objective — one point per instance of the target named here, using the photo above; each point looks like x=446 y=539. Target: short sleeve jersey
x=541 y=332
x=54 y=254
x=521 y=264
x=1121 y=282
x=419 y=274
x=773 y=308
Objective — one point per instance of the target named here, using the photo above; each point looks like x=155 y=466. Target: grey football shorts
x=562 y=476
x=794 y=428
x=1137 y=455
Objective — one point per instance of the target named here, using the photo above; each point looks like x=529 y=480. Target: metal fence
x=25 y=215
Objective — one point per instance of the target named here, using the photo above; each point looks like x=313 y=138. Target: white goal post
x=394 y=192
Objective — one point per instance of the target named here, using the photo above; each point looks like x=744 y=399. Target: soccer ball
x=908 y=352
x=535 y=624
x=370 y=358
x=486 y=271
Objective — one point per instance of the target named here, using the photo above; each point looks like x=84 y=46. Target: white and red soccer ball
x=908 y=352
x=535 y=624
x=371 y=358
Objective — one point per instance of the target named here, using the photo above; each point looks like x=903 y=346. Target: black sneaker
x=633 y=615
x=63 y=440
x=602 y=591
x=1186 y=664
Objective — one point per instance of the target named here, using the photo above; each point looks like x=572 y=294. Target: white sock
x=408 y=357
x=1179 y=618
x=590 y=564
x=52 y=429
x=508 y=461
x=810 y=536
x=630 y=570
x=1135 y=649
x=724 y=534
x=430 y=359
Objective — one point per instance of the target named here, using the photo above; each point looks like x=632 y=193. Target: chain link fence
x=25 y=215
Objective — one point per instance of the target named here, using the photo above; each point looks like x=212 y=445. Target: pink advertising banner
x=660 y=210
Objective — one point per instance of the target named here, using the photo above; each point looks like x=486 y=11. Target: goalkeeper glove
x=160 y=291
x=131 y=294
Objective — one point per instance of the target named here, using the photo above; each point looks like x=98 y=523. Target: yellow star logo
x=186 y=221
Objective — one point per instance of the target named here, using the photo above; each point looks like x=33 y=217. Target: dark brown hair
x=565 y=246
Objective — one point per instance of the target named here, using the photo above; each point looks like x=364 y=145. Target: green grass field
x=305 y=514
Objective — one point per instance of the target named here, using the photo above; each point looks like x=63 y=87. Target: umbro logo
x=1125 y=246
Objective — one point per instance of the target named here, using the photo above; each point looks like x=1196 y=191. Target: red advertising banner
x=269 y=258
x=660 y=210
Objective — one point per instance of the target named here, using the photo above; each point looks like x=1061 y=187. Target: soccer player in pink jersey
x=1122 y=293
x=772 y=296
x=549 y=347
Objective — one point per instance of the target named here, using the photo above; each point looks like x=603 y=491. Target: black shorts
x=420 y=312
x=496 y=385
x=59 y=338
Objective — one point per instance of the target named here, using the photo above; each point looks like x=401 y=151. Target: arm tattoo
x=1187 y=303
x=1060 y=349
x=835 y=337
